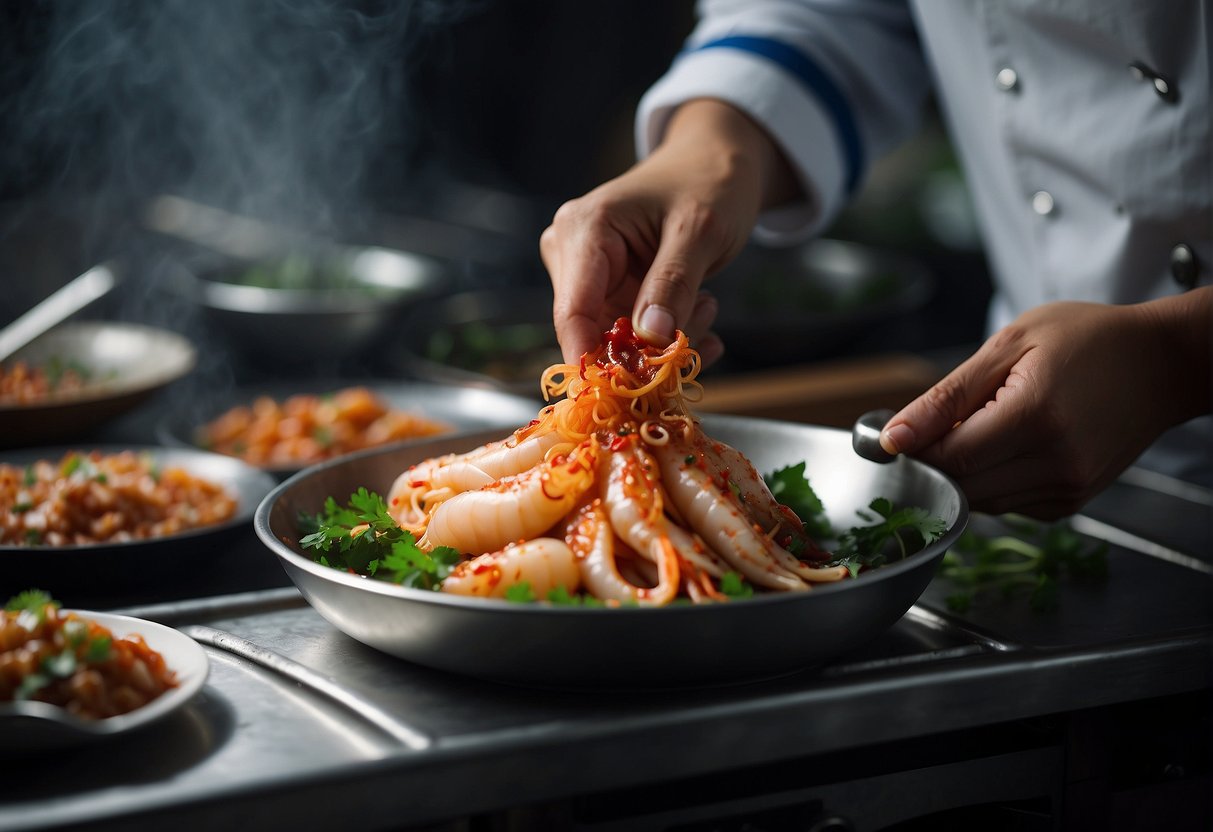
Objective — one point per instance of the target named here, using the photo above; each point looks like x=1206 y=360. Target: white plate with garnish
x=31 y=725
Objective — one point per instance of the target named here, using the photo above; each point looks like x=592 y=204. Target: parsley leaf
x=98 y=649
x=790 y=486
x=31 y=607
x=520 y=593
x=861 y=547
x=1034 y=559
x=870 y=546
x=561 y=597
x=69 y=465
x=32 y=601
x=362 y=537
x=734 y=586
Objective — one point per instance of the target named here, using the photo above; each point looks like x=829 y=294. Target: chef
x=1084 y=130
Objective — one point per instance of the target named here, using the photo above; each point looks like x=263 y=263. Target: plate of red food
x=71 y=676
x=283 y=427
x=99 y=522
x=80 y=375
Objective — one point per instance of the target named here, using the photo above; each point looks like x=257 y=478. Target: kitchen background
x=452 y=130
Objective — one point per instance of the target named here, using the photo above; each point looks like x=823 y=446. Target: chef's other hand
x=641 y=245
x=1054 y=406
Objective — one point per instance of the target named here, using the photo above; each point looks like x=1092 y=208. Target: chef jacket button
x=1042 y=203
x=1184 y=267
x=1007 y=79
x=1165 y=88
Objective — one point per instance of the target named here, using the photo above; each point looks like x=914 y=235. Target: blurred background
x=173 y=138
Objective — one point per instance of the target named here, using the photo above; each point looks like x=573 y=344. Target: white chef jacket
x=1084 y=129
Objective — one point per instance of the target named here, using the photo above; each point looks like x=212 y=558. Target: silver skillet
x=539 y=644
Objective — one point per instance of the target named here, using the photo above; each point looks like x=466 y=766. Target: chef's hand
x=1053 y=407
x=642 y=244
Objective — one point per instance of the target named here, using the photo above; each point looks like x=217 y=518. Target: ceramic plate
x=37 y=725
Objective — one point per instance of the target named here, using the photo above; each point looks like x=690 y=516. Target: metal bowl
x=313 y=306
x=120 y=571
x=500 y=339
x=787 y=305
x=127 y=362
x=463 y=409
x=765 y=635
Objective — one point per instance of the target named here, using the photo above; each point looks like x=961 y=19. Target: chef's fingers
x=579 y=265
x=952 y=400
x=668 y=293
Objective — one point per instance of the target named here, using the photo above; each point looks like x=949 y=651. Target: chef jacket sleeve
x=834 y=82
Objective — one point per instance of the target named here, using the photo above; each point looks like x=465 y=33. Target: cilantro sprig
x=790 y=486
x=890 y=533
x=362 y=537
x=31 y=601
x=523 y=593
x=867 y=547
x=1032 y=559
x=79 y=650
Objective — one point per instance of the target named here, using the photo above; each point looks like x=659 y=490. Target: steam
x=286 y=111
x=281 y=110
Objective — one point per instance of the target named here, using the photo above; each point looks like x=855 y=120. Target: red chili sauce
x=622 y=347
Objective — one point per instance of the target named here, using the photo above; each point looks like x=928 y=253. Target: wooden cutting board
x=827 y=393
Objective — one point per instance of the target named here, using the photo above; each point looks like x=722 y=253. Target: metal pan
x=463 y=409
x=500 y=339
x=119 y=572
x=786 y=305
x=717 y=643
x=129 y=362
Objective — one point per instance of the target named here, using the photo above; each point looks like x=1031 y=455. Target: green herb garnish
x=869 y=546
x=861 y=546
x=31 y=606
x=520 y=593
x=363 y=538
x=734 y=586
x=32 y=601
x=561 y=597
x=790 y=486
x=70 y=465
x=1035 y=559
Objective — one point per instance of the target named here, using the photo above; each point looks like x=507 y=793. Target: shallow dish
x=128 y=363
x=464 y=409
x=500 y=339
x=796 y=304
x=765 y=635
x=29 y=726
x=116 y=569
x=351 y=298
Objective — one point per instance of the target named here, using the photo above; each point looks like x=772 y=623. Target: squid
x=614 y=490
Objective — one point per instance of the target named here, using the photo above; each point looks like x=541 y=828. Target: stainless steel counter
x=300 y=726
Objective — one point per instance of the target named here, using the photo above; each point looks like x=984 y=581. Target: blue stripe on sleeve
x=817 y=82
